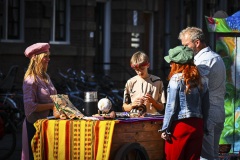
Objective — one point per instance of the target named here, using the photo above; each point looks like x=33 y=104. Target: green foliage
x=232 y=108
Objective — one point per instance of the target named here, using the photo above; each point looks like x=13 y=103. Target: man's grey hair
x=193 y=32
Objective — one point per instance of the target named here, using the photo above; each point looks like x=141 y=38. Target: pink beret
x=36 y=49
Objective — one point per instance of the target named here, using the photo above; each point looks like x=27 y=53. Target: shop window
x=60 y=22
x=11 y=20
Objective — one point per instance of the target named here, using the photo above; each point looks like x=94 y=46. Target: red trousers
x=186 y=140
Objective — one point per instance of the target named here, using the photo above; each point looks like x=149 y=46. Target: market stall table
x=95 y=139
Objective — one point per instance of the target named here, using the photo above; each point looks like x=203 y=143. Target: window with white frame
x=60 y=21
x=11 y=20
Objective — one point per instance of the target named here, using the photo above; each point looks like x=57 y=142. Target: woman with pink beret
x=37 y=88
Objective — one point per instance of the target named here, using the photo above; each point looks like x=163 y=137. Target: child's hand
x=138 y=102
x=112 y=114
x=148 y=98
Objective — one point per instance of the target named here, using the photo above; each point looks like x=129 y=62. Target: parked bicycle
x=68 y=87
x=10 y=97
x=7 y=131
x=10 y=100
x=80 y=82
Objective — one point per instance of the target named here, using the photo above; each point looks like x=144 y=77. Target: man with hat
x=186 y=108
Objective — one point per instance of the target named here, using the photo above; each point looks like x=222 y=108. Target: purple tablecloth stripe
x=129 y=120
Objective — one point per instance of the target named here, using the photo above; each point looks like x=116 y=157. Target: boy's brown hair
x=139 y=59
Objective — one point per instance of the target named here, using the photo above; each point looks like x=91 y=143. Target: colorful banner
x=229 y=49
x=230 y=24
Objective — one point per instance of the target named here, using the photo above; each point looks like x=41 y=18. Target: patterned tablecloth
x=72 y=139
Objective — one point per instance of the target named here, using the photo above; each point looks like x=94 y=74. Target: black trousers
x=30 y=132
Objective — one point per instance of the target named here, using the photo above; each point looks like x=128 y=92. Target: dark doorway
x=147 y=20
x=99 y=19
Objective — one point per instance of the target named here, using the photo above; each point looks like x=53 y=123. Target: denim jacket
x=181 y=105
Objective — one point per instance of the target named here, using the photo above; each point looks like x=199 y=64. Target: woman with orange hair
x=186 y=108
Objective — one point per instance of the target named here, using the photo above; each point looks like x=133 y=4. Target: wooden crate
x=143 y=132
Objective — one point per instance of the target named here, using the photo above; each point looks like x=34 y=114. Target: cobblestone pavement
x=17 y=153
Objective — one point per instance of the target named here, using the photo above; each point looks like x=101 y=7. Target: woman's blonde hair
x=36 y=68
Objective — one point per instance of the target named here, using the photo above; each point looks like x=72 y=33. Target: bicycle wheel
x=18 y=99
x=131 y=151
x=77 y=102
x=8 y=140
x=9 y=103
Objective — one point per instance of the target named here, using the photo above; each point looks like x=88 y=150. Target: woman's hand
x=56 y=113
x=165 y=136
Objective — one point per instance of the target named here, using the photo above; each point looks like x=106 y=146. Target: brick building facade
x=85 y=34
